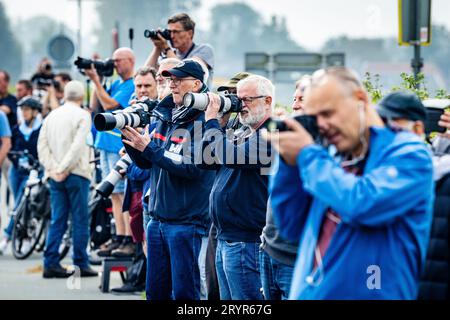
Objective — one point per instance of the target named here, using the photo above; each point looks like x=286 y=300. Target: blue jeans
x=237 y=265
x=71 y=195
x=276 y=277
x=202 y=266
x=172 y=261
x=17 y=181
x=146 y=219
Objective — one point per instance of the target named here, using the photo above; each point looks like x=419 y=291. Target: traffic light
x=414 y=22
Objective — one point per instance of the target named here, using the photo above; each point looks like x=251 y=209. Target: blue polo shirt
x=110 y=141
x=5 y=130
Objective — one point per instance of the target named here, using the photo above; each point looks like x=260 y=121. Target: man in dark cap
x=230 y=85
x=406 y=111
x=403 y=110
x=179 y=195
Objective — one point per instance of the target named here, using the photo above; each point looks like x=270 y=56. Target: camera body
x=165 y=33
x=136 y=115
x=104 y=68
x=42 y=82
x=200 y=101
x=307 y=122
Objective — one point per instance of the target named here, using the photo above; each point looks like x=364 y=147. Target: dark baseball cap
x=402 y=105
x=30 y=102
x=186 y=68
x=232 y=83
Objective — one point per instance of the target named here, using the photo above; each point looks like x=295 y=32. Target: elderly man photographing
x=361 y=214
x=179 y=189
x=108 y=142
x=238 y=199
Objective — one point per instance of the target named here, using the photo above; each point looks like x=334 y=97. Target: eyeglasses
x=160 y=78
x=249 y=100
x=119 y=59
x=177 y=81
x=176 y=31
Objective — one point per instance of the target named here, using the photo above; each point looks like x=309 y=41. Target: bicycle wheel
x=27 y=231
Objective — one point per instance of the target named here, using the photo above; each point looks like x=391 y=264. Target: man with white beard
x=238 y=199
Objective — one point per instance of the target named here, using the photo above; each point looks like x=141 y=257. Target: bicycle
x=33 y=214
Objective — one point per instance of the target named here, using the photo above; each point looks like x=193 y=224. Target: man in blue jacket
x=180 y=190
x=238 y=200
x=362 y=217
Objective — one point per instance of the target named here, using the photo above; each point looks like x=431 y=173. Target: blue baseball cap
x=402 y=105
x=186 y=68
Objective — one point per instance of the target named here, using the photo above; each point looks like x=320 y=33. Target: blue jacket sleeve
x=290 y=202
x=380 y=195
x=136 y=173
x=255 y=153
x=137 y=157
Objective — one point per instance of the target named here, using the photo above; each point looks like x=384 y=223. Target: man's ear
x=269 y=101
x=419 y=127
x=361 y=95
x=198 y=86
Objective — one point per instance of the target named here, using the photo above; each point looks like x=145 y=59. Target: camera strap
x=189 y=51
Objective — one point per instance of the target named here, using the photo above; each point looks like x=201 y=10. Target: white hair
x=73 y=91
x=171 y=61
x=264 y=86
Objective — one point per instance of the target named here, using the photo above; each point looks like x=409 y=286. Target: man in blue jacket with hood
x=179 y=189
x=361 y=210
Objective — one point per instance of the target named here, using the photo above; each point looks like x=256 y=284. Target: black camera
x=154 y=34
x=42 y=82
x=104 y=68
x=136 y=115
x=307 y=122
x=200 y=101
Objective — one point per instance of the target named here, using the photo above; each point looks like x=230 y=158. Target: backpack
x=136 y=274
x=100 y=210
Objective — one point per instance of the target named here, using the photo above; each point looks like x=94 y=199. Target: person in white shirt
x=64 y=153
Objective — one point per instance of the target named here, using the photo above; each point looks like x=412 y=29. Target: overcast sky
x=310 y=22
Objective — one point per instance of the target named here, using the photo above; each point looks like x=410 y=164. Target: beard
x=253 y=116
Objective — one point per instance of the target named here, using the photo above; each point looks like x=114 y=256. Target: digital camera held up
x=307 y=122
x=200 y=101
x=136 y=115
x=165 y=33
x=104 y=68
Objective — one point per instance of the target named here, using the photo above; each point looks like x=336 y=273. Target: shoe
x=128 y=288
x=3 y=245
x=126 y=249
x=94 y=259
x=57 y=272
x=88 y=272
x=106 y=249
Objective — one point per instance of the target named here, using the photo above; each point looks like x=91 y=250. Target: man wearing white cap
x=63 y=152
